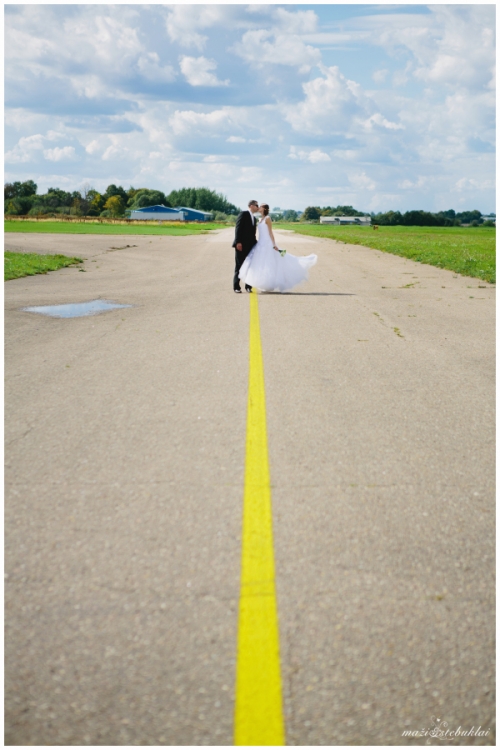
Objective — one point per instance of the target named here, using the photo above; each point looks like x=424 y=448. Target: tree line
x=448 y=218
x=22 y=199
x=312 y=213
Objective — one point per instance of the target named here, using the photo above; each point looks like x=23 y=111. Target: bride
x=266 y=269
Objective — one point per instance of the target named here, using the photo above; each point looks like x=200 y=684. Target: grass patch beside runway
x=17 y=265
x=469 y=251
x=87 y=227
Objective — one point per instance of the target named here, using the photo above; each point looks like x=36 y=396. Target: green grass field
x=467 y=251
x=67 y=227
x=17 y=265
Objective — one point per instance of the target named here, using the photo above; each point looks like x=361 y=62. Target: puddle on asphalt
x=76 y=310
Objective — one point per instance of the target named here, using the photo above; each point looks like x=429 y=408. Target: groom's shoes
x=248 y=288
x=237 y=291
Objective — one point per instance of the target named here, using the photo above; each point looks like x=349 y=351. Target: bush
x=11 y=208
x=114 y=190
x=19 y=206
x=114 y=205
x=144 y=198
x=201 y=199
x=19 y=189
x=39 y=210
x=311 y=213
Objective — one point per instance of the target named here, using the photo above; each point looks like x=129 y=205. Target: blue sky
x=378 y=106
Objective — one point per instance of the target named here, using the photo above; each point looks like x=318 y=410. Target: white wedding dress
x=267 y=270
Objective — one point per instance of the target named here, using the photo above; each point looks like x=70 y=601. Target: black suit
x=245 y=234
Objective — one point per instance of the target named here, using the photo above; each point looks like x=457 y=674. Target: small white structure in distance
x=362 y=221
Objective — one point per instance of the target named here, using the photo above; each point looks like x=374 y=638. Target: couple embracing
x=260 y=264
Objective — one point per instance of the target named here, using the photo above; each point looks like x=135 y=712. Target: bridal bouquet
x=282 y=251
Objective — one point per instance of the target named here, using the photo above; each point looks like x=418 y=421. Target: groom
x=244 y=240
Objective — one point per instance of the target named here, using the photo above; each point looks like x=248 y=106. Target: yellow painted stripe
x=258 y=712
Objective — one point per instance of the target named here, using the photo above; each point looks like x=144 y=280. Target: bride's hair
x=265 y=209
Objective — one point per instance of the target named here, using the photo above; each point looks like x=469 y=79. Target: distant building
x=162 y=213
x=192 y=214
x=362 y=221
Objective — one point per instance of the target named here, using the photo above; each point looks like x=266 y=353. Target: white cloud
x=113 y=42
x=348 y=154
x=331 y=103
x=200 y=173
x=267 y=47
x=91 y=53
x=184 y=121
x=124 y=148
x=112 y=152
x=217 y=159
x=20 y=118
x=467 y=183
x=315 y=156
x=379 y=76
x=25 y=149
x=92 y=147
x=149 y=66
x=425 y=138
x=399 y=78
x=463 y=37
x=295 y=22
x=440 y=131
x=90 y=86
x=253 y=175
x=180 y=28
x=337 y=38
x=59 y=154
x=412 y=185
x=335 y=189
x=183 y=22
x=453 y=45
x=378 y=119
x=362 y=181
x=197 y=71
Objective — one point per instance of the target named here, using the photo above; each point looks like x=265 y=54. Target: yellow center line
x=258 y=711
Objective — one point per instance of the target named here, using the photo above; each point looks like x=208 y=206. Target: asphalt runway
x=125 y=459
